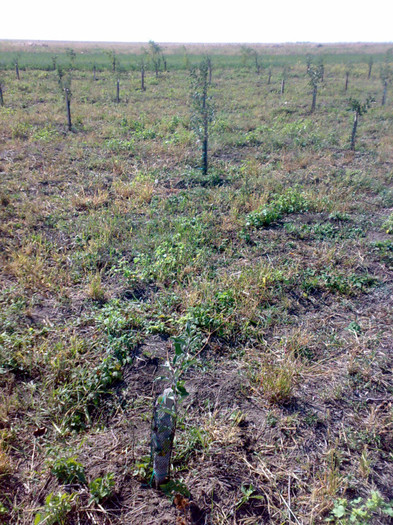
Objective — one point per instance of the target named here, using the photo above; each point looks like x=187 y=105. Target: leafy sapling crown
x=359 y=108
x=181 y=361
x=155 y=52
x=72 y=56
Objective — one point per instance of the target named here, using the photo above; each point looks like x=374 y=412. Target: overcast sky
x=199 y=21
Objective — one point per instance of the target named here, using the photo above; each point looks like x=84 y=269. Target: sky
x=247 y=21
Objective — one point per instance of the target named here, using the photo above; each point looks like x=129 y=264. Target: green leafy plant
x=181 y=361
x=56 y=509
x=68 y=470
x=173 y=487
x=248 y=493
x=360 y=511
x=291 y=201
x=388 y=224
x=102 y=488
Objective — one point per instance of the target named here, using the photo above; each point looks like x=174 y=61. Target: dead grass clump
x=138 y=191
x=95 y=289
x=277 y=381
x=5 y=461
x=37 y=266
x=82 y=201
x=223 y=429
x=330 y=483
x=4 y=199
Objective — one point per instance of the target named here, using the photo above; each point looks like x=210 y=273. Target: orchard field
x=273 y=272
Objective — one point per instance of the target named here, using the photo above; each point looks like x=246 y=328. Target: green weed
x=56 y=509
x=291 y=201
x=388 y=224
x=101 y=488
x=68 y=470
x=360 y=511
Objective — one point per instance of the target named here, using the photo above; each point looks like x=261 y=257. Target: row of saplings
x=202 y=108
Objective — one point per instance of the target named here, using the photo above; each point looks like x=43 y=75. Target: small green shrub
x=68 y=470
x=101 y=488
x=45 y=134
x=289 y=202
x=384 y=249
x=388 y=224
x=119 y=145
x=21 y=131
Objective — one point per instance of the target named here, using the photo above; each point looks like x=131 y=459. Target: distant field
x=275 y=269
x=38 y=55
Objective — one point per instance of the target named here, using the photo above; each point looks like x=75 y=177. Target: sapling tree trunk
x=315 y=72
x=257 y=65
x=385 y=89
x=118 y=91
x=94 y=73
x=314 y=98
x=205 y=141
x=163 y=432
x=354 y=128
x=346 y=80
x=209 y=66
x=205 y=123
x=68 y=107
x=1 y=96
x=143 y=87
x=269 y=77
x=166 y=405
x=282 y=86
x=17 y=70
x=370 y=67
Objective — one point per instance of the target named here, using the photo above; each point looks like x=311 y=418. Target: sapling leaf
x=181 y=390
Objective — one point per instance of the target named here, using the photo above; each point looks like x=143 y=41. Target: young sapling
x=358 y=110
x=315 y=73
x=202 y=108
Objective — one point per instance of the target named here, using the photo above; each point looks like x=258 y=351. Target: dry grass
x=277 y=380
x=82 y=201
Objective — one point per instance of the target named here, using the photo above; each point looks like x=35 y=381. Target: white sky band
x=199 y=21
